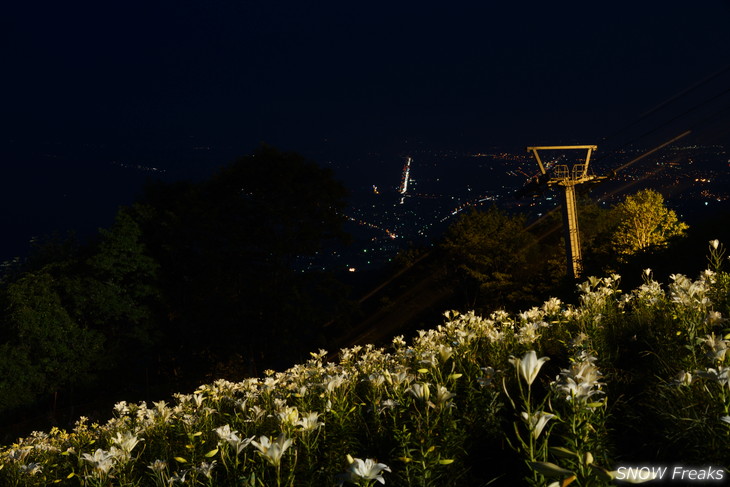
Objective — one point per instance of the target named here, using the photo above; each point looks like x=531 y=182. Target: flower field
x=554 y=395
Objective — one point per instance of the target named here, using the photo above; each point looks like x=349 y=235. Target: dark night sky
x=146 y=80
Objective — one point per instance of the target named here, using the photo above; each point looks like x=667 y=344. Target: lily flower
x=443 y=396
x=231 y=437
x=683 y=379
x=420 y=391
x=721 y=375
x=126 y=442
x=537 y=421
x=367 y=469
x=309 y=421
x=529 y=366
x=101 y=461
x=288 y=416
x=272 y=452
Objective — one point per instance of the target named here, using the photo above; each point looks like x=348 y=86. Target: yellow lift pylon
x=568 y=178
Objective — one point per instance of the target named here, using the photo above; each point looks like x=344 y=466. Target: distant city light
x=384 y=227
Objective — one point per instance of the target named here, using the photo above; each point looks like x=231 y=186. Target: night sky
x=149 y=83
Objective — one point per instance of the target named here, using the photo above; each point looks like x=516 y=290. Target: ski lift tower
x=568 y=178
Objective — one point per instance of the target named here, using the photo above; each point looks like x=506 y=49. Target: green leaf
x=562 y=452
x=550 y=469
x=180 y=460
x=211 y=453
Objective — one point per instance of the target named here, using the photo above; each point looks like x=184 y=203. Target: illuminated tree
x=645 y=223
x=42 y=348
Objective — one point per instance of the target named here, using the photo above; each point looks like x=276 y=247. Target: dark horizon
x=189 y=87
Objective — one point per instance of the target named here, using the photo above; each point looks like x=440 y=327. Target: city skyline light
x=99 y=98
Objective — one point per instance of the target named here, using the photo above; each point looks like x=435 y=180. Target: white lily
x=126 y=442
x=288 y=415
x=367 y=469
x=537 y=422
x=443 y=396
x=529 y=366
x=231 y=437
x=309 y=421
x=273 y=452
x=101 y=461
x=420 y=391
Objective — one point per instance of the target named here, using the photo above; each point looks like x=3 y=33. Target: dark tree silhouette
x=227 y=249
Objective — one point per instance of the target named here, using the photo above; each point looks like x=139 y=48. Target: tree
x=495 y=258
x=113 y=288
x=42 y=348
x=644 y=223
x=226 y=248
x=198 y=275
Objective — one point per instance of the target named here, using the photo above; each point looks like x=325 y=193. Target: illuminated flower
x=683 y=379
x=376 y=379
x=334 y=382
x=529 y=333
x=158 y=466
x=121 y=408
x=101 y=461
x=272 y=452
x=718 y=347
x=420 y=391
x=443 y=396
x=367 y=469
x=178 y=477
x=721 y=375
x=126 y=442
x=288 y=416
x=537 y=422
x=714 y=318
x=552 y=306
x=581 y=381
x=231 y=437
x=529 y=365
x=309 y=422
x=206 y=468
